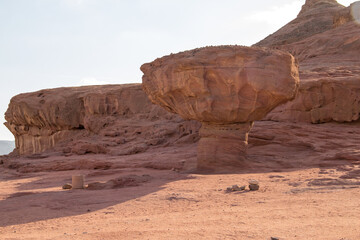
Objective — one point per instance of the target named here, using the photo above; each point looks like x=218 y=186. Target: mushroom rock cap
x=224 y=84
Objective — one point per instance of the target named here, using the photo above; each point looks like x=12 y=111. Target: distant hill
x=6 y=147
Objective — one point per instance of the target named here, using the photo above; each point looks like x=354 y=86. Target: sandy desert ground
x=301 y=204
x=308 y=191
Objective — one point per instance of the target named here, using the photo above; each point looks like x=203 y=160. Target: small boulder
x=235 y=188
x=97 y=186
x=67 y=186
x=253 y=185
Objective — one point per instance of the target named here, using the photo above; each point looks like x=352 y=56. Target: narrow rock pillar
x=78 y=181
x=222 y=145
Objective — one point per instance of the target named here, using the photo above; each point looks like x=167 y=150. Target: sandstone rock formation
x=226 y=88
x=120 y=121
x=316 y=16
x=349 y=14
x=329 y=63
x=113 y=119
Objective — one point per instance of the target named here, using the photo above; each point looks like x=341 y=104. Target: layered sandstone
x=349 y=14
x=323 y=100
x=120 y=120
x=329 y=65
x=226 y=88
x=316 y=16
x=113 y=119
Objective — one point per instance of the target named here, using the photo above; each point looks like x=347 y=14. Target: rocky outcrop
x=322 y=101
x=316 y=16
x=349 y=14
x=226 y=84
x=329 y=66
x=226 y=88
x=113 y=119
x=120 y=120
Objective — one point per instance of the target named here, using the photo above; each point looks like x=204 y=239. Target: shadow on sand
x=36 y=200
x=38 y=195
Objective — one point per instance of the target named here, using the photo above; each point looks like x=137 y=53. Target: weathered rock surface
x=316 y=16
x=329 y=64
x=320 y=101
x=226 y=88
x=226 y=84
x=121 y=125
x=113 y=119
x=349 y=14
x=272 y=147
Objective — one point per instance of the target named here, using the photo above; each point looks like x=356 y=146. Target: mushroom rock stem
x=222 y=145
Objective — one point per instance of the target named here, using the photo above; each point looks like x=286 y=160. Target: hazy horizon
x=61 y=43
x=6 y=146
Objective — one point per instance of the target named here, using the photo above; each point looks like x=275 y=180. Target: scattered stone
x=295 y=184
x=176 y=198
x=96 y=186
x=276 y=176
x=274 y=238
x=120 y=182
x=253 y=182
x=235 y=188
x=67 y=186
x=253 y=185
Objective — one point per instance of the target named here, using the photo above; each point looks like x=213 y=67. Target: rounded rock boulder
x=225 y=84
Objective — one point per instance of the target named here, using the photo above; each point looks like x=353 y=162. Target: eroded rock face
x=109 y=119
x=322 y=101
x=223 y=145
x=226 y=88
x=349 y=14
x=227 y=84
x=316 y=16
x=119 y=120
x=329 y=65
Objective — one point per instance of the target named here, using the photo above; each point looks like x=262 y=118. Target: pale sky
x=57 y=43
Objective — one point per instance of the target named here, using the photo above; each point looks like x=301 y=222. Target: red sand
x=180 y=206
x=309 y=189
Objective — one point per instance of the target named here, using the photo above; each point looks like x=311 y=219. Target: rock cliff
x=316 y=16
x=112 y=119
x=120 y=120
x=329 y=63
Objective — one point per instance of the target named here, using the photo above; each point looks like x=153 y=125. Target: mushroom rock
x=226 y=88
